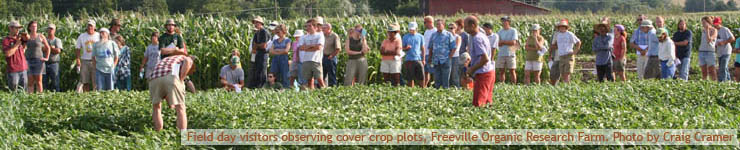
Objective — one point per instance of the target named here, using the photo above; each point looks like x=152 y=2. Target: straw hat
x=393 y=27
x=563 y=23
x=258 y=19
x=15 y=24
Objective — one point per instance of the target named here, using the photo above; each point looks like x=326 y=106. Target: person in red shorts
x=482 y=71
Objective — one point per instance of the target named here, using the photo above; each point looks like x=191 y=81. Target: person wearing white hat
x=640 y=41
x=105 y=58
x=51 y=78
x=14 y=50
x=413 y=65
x=356 y=48
x=258 y=73
x=567 y=45
x=171 y=43
x=85 y=67
x=295 y=63
x=535 y=47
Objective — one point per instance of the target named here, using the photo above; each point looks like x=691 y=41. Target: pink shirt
x=295 y=52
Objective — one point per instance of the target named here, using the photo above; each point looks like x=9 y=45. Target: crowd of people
x=458 y=54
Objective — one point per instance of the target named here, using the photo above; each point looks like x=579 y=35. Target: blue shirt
x=415 y=41
x=480 y=47
x=507 y=35
x=737 y=46
x=463 y=43
x=441 y=44
x=642 y=38
x=276 y=44
x=653 y=45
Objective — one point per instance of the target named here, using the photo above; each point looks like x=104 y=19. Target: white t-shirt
x=493 y=39
x=85 y=43
x=457 y=50
x=312 y=39
x=565 y=42
x=428 y=36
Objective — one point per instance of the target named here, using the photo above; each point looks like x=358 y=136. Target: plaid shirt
x=165 y=66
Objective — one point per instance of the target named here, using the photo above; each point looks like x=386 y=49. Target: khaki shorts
x=506 y=62
x=566 y=63
x=619 y=65
x=390 y=66
x=167 y=86
x=311 y=70
x=87 y=72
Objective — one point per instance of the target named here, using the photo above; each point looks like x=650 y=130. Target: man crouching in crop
x=482 y=70
x=167 y=82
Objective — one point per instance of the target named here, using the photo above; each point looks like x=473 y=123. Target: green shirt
x=274 y=86
x=170 y=40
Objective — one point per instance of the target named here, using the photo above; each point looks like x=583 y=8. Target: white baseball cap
x=104 y=30
x=298 y=33
x=413 y=26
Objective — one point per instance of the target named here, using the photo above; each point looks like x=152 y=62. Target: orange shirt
x=391 y=45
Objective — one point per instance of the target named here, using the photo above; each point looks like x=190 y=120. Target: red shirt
x=17 y=61
x=619 y=49
x=166 y=66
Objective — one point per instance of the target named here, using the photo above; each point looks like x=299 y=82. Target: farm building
x=504 y=7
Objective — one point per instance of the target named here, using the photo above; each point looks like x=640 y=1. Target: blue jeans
x=104 y=81
x=683 y=68
x=441 y=75
x=17 y=80
x=123 y=83
x=455 y=72
x=280 y=69
x=51 y=78
x=667 y=72
x=329 y=67
x=723 y=74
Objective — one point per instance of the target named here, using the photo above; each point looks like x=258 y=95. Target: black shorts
x=413 y=70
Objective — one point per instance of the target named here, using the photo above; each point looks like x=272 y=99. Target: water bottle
x=141 y=74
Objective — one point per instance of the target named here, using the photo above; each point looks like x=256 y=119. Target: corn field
x=212 y=38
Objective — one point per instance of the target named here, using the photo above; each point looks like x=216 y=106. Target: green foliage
x=709 y=5
x=122 y=120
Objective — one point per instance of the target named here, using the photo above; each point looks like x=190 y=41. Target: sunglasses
x=270 y=76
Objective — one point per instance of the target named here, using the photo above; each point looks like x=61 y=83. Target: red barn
x=503 y=7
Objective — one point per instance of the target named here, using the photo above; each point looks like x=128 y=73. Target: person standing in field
x=737 y=58
x=508 y=45
x=639 y=41
x=456 y=72
x=724 y=49
x=51 y=77
x=167 y=82
x=105 y=57
x=603 y=51
x=441 y=47
x=311 y=48
x=232 y=75
x=667 y=54
x=85 y=67
x=683 y=38
x=279 y=51
x=567 y=45
x=331 y=50
x=620 y=50
x=123 y=68
x=481 y=70
x=492 y=39
x=652 y=67
x=13 y=50
x=37 y=54
x=454 y=69
x=413 y=65
x=390 y=49
x=430 y=30
x=535 y=47
x=260 y=39
x=356 y=48
x=151 y=57
x=707 y=55
x=115 y=27
x=295 y=64
x=171 y=42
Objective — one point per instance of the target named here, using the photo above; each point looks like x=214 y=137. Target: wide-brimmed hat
x=91 y=22
x=116 y=22
x=170 y=22
x=319 y=20
x=646 y=23
x=535 y=27
x=258 y=19
x=660 y=31
x=603 y=23
x=393 y=27
x=15 y=24
x=298 y=33
x=562 y=23
x=272 y=25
